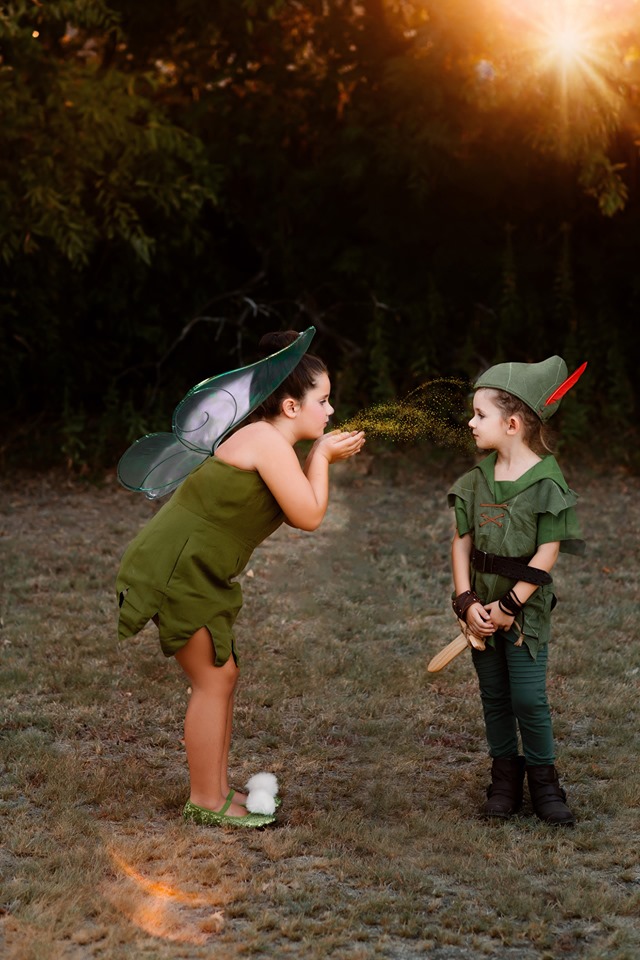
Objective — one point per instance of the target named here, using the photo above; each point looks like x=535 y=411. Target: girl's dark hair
x=536 y=433
x=302 y=378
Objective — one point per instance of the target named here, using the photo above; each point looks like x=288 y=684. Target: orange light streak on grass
x=154 y=907
x=161 y=890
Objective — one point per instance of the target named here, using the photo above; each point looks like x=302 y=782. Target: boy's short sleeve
x=463 y=524
x=563 y=527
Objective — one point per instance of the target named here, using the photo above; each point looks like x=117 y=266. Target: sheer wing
x=158 y=463
x=213 y=408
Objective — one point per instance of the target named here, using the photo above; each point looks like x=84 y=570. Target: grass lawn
x=378 y=851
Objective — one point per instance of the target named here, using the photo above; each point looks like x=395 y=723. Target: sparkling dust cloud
x=437 y=410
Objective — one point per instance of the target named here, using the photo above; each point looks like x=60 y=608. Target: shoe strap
x=227 y=802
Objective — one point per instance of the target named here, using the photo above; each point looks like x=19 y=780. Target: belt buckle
x=485 y=565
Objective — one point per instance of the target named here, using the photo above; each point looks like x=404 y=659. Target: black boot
x=504 y=794
x=548 y=797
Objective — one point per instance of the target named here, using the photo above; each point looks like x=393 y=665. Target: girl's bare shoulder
x=246 y=446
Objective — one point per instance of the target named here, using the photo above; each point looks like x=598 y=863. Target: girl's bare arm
x=303 y=493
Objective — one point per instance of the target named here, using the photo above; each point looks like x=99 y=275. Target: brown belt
x=514 y=568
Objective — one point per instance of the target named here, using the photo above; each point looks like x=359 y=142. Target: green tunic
x=181 y=566
x=512 y=518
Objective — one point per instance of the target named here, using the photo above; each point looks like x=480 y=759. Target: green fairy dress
x=512 y=518
x=181 y=567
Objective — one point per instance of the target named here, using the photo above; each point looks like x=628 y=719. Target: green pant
x=513 y=690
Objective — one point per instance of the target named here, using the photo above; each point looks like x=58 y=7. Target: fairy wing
x=211 y=409
x=158 y=463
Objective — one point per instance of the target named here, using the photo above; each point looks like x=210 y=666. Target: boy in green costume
x=514 y=513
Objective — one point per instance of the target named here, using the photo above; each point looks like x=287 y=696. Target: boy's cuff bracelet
x=463 y=601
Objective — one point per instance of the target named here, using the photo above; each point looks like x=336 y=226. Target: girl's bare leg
x=240 y=798
x=207 y=724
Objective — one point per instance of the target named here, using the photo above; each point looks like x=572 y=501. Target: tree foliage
x=430 y=190
x=88 y=155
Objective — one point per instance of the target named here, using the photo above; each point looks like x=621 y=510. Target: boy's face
x=488 y=423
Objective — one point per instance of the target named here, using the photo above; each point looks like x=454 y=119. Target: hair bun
x=278 y=340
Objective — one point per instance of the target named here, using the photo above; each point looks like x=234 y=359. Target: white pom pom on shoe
x=263 y=781
x=259 y=801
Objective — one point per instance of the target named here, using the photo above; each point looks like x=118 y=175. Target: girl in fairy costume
x=181 y=569
x=514 y=513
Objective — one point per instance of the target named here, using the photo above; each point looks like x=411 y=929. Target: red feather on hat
x=564 y=387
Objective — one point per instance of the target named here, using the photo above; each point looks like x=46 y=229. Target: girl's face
x=488 y=423
x=315 y=410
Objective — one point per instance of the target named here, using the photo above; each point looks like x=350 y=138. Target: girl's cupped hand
x=340 y=444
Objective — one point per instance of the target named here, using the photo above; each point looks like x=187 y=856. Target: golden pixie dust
x=436 y=410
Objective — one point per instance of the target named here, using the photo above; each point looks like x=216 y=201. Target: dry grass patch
x=378 y=851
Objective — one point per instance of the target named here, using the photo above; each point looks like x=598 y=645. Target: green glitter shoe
x=219 y=818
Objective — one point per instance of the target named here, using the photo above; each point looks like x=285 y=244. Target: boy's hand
x=501 y=620
x=479 y=621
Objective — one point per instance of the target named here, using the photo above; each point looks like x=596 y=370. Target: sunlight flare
x=162 y=909
x=568 y=43
x=575 y=46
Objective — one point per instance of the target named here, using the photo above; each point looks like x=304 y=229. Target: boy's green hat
x=540 y=385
